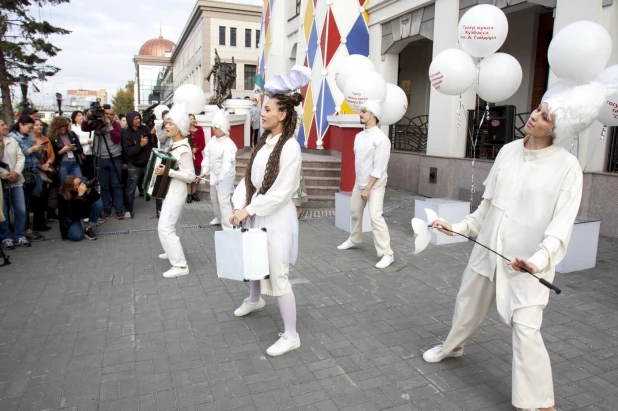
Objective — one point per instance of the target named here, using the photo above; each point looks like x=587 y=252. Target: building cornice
x=153 y=60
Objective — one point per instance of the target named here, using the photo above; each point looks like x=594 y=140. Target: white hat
x=180 y=116
x=576 y=108
x=374 y=107
x=221 y=121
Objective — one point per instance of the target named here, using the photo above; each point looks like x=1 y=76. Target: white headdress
x=576 y=108
x=179 y=114
x=374 y=107
x=285 y=84
x=221 y=121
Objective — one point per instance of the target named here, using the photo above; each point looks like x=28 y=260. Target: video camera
x=90 y=183
x=97 y=115
x=148 y=116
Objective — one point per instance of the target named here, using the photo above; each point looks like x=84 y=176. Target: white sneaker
x=436 y=354
x=163 y=256
x=283 y=345
x=385 y=261
x=215 y=221
x=347 y=244
x=176 y=272
x=246 y=307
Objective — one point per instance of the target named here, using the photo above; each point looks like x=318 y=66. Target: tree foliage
x=123 y=101
x=24 y=46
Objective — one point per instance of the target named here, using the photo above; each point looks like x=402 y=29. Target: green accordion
x=156 y=186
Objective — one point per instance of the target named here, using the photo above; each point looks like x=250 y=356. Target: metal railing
x=411 y=136
x=612 y=158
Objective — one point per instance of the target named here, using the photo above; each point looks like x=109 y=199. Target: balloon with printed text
x=482 y=30
x=452 y=72
x=609 y=113
x=349 y=66
x=364 y=86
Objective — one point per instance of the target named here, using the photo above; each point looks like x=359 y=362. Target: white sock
x=287 y=307
x=255 y=291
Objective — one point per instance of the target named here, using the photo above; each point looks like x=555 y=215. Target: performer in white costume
x=177 y=127
x=532 y=196
x=372 y=150
x=264 y=199
x=220 y=162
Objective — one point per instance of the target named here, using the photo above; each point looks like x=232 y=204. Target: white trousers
x=532 y=376
x=221 y=199
x=381 y=237
x=171 y=211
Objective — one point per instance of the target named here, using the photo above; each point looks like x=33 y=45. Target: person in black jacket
x=76 y=202
x=67 y=148
x=137 y=143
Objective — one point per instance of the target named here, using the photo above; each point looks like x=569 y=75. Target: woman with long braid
x=263 y=199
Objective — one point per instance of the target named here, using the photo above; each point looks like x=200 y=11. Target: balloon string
x=461 y=106
x=542 y=281
x=478 y=71
x=601 y=138
x=474 y=141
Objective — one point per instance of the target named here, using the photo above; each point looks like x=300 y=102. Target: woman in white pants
x=532 y=196
x=177 y=128
x=220 y=161
x=264 y=199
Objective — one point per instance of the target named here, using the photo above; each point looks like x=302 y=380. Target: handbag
x=29 y=178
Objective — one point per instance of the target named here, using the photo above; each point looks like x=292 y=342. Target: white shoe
x=163 y=256
x=283 y=345
x=247 y=307
x=176 y=272
x=436 y=354
x=86 y=220
x=385 y=261
x=215 y=221
x=347 y=244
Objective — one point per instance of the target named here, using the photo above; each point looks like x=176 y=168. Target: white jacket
x=83 y=136
x=220 y=160
x=12 y=149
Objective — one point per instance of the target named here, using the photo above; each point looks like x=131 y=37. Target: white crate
x=343 y=219
x=242 y=254
x=451 y=211
x=582 y=251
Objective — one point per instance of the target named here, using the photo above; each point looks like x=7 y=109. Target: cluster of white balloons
x=482 y=31
x=580 y=53
x=357 y=78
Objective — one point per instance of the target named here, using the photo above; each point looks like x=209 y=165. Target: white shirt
x=182 y=152
x=285 y=185
x=220 y=160
x=83 y=137
x=529 y=206
x=372 y=150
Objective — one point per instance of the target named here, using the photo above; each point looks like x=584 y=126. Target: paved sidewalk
x=94 y=326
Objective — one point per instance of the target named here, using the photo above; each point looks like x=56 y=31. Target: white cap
x=374 y=107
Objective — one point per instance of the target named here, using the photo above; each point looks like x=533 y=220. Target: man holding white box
x=372 y=150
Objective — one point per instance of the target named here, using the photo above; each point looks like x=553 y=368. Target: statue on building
x=223 y=81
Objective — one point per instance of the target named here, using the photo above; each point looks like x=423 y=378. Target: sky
x=105 y=37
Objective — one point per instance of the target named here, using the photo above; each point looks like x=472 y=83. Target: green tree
x=24 y=48
x=124 y=101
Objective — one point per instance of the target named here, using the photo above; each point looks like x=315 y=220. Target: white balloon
x=361 y=87
x=609 y=112
x=193 y=96
x=395 y=105
x=482 y=30
x=349 y=66
x=500 y=77
x=580 y=51
x=158 y=111
x=452 y=72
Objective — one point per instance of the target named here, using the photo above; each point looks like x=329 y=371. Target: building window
x=250 y=72
x=233 y=36
x=247 y=37
x=257 y=38
x=221 y=35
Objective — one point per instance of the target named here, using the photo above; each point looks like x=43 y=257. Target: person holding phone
x=47 y=173
x=76 y=201
x=67 y=148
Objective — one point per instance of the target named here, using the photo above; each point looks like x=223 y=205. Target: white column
x=592 y=150
x=388 y=64
x=276 y=62
x=444 y=139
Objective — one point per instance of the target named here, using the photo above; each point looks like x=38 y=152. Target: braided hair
x=285 y=103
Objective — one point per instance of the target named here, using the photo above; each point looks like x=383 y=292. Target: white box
x=343 y=219
x=242 y=254
x=582 y=251
x=451 y=211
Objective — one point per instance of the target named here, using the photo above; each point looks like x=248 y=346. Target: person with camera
x=32 y=180
x=11 y=169
x=137 y=143
x=47 y=172
x=67 y=148
x=76 y=201
x=108 y=150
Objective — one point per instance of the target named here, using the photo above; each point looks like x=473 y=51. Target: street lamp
x=23 y=84
x=59 y=100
